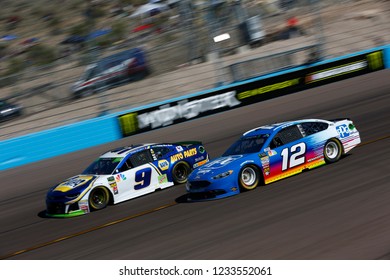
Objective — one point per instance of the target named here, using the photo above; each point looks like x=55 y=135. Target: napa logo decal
x=163 y=164
x=343 y=130
x=73 y=182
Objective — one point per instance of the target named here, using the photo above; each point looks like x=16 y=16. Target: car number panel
x=138 y=181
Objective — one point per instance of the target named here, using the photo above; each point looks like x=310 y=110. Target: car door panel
x=287 y=154
x=136 y=182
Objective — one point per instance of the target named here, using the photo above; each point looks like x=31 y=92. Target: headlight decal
x=222 y=175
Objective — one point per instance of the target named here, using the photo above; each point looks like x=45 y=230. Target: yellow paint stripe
x=373 y=141
x=87 y=231
x=155 y=167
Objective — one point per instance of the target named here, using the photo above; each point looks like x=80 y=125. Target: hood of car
x=79 y=181
x=220 y=165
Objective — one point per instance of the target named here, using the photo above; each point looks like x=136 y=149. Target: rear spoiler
x=188 y=143
x=340 y=119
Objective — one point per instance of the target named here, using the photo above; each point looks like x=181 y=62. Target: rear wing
x=340 y=119
x=188 y=143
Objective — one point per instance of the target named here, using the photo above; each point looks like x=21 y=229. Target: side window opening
x=126 y=166
x=285 y=136
x=276 y=142
x=159 y=152
x=141 y=158
x=310 y=128
x=92 y=73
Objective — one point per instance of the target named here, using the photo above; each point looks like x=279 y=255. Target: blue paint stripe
x=58 y=141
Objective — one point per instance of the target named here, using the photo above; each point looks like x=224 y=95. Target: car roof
x=124 y=151
x=273 y=128
x=132 y=149
x=121 y=55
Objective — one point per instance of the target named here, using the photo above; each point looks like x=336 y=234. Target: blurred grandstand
x=44 y=50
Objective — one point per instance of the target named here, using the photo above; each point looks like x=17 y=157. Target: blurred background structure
x=190 y=46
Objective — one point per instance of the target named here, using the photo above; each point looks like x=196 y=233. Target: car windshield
x=247 y=145
x=89 y=74
x=103 y=166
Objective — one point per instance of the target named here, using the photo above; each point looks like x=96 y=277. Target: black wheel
x=83 y=93
x=180 y=172
x=249 y=178
x=77 y=95
x=332 y=151
x=99 y=198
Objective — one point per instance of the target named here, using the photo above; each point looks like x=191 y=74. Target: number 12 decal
x=142 y=178
x=293 y=157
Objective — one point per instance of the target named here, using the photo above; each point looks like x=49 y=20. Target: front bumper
x=58 y=209
x=206 y=190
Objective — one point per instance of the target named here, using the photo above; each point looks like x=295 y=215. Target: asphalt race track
x=337 y=211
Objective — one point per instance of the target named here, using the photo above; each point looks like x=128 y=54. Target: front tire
x=332 y=151
x=99 y=198
x=180 y=172
x=249 y=178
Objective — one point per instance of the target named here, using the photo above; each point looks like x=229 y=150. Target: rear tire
x=180 y=172
x=332 y=151
x=249 y=178
x=99 y=198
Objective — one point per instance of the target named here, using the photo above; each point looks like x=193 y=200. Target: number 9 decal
x=142 y=178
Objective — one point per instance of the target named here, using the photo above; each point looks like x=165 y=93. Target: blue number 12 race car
x=270 y=153
x=123 y=174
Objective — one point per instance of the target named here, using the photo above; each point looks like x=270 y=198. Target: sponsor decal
x=269 y=152
x=162 y=179
x=111 y=179
x=196 y=165
x=185 y=154
x=272 y=153
x=84 y=206
x=201 y=149
x=120 y=177
x=343 y=130
x=199 y=158
x=190 y=152
x=179 y=149
x=269 y=88
x=264 y=160
x=176 y=157
x=265 y=163
x=163 y=164
x=114 y=187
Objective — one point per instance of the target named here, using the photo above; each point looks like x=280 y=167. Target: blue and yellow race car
x=123 y=174
x=270 y=153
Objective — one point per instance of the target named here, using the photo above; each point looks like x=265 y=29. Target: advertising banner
x=255 y=90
